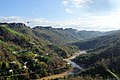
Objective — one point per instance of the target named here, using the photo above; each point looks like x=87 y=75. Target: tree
x=5 y=65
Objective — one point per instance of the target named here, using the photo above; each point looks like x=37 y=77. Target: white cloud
x=38 y=21
x=79 y=3
x=100 y=23
x=72 y=5
x=76 y=3
x=65 y=2
x=12 y=19
x=17 y=19
x=69 y=11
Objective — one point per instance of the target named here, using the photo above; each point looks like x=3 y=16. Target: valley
x=69 y=72
x=60 y=40
x=46 y=53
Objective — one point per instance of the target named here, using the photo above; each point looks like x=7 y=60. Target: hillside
x=100 y=41
x=103 y=56
x=53 y=35
x=38 y=52
x=23 y=54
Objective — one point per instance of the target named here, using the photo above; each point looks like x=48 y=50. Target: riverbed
x=69 y=72
x=73 y=64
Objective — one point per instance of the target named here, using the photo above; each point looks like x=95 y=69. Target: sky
x=99 y=15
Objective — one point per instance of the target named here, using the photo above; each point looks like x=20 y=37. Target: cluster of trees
x=102 y=58
x=53 y=35
x=25 y=57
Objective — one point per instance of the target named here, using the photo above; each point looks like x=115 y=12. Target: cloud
x=65 y=2
x=107 y=22
x=17 y=19
x=72 y=5
x=79 y=3
x=99 y=23
x=76 y=3
x=69 y=11
x=38 y=21
x=12 y=19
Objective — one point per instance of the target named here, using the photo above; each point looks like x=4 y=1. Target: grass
x=62 y=75
x=11 y=31
x=1 y=42
x=14 y=32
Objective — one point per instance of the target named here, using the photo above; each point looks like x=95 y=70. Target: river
x=73 y=64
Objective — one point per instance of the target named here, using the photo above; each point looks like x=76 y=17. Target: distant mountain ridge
x=54 y=35
x=100 y=41
x=102 y=57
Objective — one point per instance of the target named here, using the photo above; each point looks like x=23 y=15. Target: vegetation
x=54 y=35
x=1 y=42
x=25 y=57
x=33 y=53
x=102 y=58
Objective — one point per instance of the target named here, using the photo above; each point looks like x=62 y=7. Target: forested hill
x=101 y=41
x=53 y=35
x=39 y=51
x=29 y=56
x=102 y=58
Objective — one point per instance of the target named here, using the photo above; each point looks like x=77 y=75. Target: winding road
x=74 y=65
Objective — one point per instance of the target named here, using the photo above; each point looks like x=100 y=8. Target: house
x=14 y=52
x=41 y=56
x=25 y=63
x=24 y=66
x=35 y=60
x=36 y=55
x=13 y=62
x=10 y=70
x=47 y=54
x=68 y=63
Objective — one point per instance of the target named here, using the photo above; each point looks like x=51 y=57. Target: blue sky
x=102 y=15
x=49 y=9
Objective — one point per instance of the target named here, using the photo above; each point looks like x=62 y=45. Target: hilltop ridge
x=53 y=35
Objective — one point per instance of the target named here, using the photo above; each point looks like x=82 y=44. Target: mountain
x=26 y=55
x=102 y=58
x=39 y=51
x=89 y=34
x=53 y=35
x=100 y=41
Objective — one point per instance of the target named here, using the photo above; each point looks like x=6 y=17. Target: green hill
x=39 y=51
x=103 y=56
x=53 y=35
x=26 y=55
x=100 y=41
